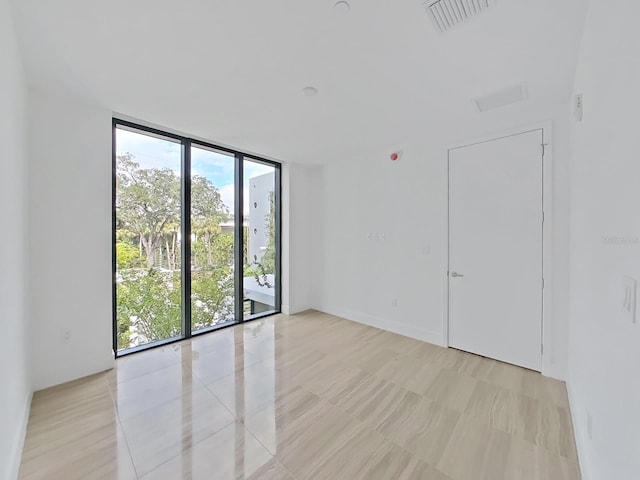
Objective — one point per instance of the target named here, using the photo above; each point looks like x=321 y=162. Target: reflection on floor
x=301 y=397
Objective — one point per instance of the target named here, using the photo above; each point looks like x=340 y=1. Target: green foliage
x=148 y=303
x=148 y=255
x=127 y=256
x=207 y=209
x=148 y=203
x=207 y=213
x=211 y=297
x=217 y=252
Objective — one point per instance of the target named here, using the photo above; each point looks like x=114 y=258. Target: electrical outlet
x=394 y=302
x=629 y=299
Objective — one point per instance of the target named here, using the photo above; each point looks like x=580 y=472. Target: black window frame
x=185 y=229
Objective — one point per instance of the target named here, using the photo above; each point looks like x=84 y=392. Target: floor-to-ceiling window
x=260 y=274
x=212 y=238
x=196 y=237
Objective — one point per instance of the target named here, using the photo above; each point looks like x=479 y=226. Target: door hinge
x=542 y=349
x=543 y=149
x=543 y=283
x=543 y=216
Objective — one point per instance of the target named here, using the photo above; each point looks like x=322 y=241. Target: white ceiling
x=233 y=70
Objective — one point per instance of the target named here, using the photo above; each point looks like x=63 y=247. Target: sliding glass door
x=196 y=237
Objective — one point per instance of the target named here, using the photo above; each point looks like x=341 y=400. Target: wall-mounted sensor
x=395 y=156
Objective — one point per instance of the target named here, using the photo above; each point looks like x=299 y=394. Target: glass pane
x=212 y=267
x=148 y=280
x=260 y=239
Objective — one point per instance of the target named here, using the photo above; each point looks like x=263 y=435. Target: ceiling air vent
x=448 y=13
x=502 y=98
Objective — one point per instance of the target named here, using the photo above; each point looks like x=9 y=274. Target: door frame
x=547 y=238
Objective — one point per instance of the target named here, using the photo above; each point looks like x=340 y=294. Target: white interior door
x=495 y=249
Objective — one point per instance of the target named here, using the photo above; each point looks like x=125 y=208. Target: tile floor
x=310 y=396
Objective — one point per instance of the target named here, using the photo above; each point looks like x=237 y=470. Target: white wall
x=69 y=239
x=381 y=230
x=70 y=195
x=359 y=276
x=297 y=222
x=604 y=352
x=15 y=382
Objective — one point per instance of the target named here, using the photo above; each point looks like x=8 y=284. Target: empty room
x=322 y=239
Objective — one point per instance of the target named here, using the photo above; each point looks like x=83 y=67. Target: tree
x=127 y=256
x=148 y=205
x=212 y=296
x=148 y=306
x=207 y=212
x=147 y=202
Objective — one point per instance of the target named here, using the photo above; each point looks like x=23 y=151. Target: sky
x=151 y=152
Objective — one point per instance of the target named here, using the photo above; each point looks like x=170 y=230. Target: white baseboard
x=293 y=309
x=579 y=437
x=553 y=371
x=43 y=380
x=19 y=443
x=385 y=324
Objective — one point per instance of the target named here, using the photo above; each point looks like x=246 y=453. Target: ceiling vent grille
x=446 y=14
x=502 y=98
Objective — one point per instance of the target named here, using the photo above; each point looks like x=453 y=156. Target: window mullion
x=185 y=233
x=238 y=245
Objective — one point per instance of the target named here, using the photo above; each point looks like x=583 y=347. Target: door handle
x=456 y=274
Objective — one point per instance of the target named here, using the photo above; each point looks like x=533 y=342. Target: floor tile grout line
x=202 y=386
x=521 y=437
x=390 y=440
x=138 y=377
x=273 y=455
x=126 y=441
x=547 y=401
x=221 y=402
x=363 y=424
x=208 y=437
